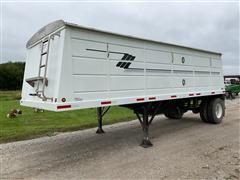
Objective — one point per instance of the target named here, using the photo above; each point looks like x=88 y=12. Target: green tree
x=11 y=75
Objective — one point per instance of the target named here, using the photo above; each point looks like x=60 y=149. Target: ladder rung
x=44 y=53
x=33 y=94
x=44 y=65
x=45 y=40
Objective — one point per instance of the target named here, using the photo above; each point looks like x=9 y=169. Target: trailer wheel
x=227 y=95
x=235 y=95
x=173 y=116
x=203 y=112
x=216 y=111
x=196 y=111
x=174 y=113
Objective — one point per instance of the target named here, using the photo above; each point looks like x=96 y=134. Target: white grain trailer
x=70 y=67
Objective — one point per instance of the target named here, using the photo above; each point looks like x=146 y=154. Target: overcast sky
x=210 y=26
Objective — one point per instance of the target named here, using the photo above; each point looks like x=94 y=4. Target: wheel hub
x=218 y=110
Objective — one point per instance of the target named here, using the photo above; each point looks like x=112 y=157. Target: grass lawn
x=32 y=124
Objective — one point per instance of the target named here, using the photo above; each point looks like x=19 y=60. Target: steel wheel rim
x=218 y=110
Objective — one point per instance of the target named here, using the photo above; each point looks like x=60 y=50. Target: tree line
x=11 y=75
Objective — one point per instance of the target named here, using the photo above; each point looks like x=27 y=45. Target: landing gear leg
x=99 y=116
x=146 y=110
x=100 y=113
x=145 y=125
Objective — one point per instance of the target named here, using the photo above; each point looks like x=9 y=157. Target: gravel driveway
x=183 y=149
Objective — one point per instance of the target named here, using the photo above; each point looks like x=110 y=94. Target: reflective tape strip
x=152 y=98
x=106 y=102
x=64 y=106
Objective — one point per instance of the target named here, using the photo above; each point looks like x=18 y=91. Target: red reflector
x=191 y=94
x=213 y=92
x=106 y=102
x=174 y=96
x=152 y=98
x=64 y=106
x=140 y=99
x=198 y=94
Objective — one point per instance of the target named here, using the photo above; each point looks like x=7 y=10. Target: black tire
x=203 y=112
x=174 y=114
x=235 y=95
x=196 y=111
x=227 y=95
x=215 y=111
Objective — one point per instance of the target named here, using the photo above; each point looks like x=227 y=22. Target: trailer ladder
x=42 y=79
x=40 y=91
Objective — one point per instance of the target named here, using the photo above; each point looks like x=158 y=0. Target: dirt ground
x=183 y=149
